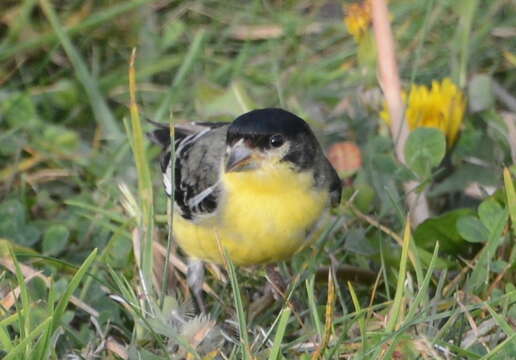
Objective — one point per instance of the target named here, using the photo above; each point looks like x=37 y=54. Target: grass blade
x=186 y=66
x=510 y=340
x=360 y=314
x=74 y=283
x=5 y=339
x=423 y=289
x=13 y=354
x=101 y=111
x=280 y=333
x=313 y=306
x=242 y=323
x=24 y=311
x=328 y=324
x=170 y=211
x=63 y=303
x=502 y=323
x=146 y=223
x=480 y=274
x=511 y=197
x=467 y=9
x=98 y=18
x=398 y=296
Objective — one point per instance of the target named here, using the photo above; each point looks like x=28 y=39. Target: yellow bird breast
x=264 y=216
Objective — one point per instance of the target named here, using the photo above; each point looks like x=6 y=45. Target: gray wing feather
x=196 y=176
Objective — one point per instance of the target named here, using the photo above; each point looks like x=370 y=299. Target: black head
x=266 y=128
x=269 y=132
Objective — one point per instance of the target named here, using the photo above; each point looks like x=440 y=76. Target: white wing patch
x=189 y=139
x=167 y=176
x=197 y=199
x=167 y=180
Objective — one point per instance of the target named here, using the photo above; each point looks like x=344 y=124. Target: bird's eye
x=276 y=140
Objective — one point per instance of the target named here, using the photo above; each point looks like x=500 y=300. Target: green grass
x=77 y=174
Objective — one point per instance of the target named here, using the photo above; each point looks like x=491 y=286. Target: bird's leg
x=274 y=289
x=279 y=287
x=262 y=303
x=276 y=280
x=195 y=279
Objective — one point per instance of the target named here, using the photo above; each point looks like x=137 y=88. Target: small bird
x=256 y=186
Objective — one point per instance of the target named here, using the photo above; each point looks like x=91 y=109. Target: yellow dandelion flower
x=358 y=19
x=442 y=107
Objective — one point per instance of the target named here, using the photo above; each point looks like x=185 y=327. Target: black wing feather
x=198 y=158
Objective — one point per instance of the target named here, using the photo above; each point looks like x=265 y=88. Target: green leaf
x=213 y=101
x=172 y=33
x=364 y=197
x=498 y=266
x=385 y=163
x=442 y=229
x=357 y=242
x=480 y=275
x=13 y=210
x=13 y=224
x=472 y=230
x=367 y=54
x=55 y=240
x=19 y=111
x=65 y=94
x=60 y=138
x=135 y=353
x=490 y=212
x=480 y=93
x=425 y=148
x=465 y=174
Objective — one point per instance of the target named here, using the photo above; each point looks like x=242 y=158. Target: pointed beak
x=239 y=158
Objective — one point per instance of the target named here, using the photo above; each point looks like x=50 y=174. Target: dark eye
x=276 y=140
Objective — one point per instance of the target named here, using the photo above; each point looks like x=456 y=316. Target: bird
x=256 y=187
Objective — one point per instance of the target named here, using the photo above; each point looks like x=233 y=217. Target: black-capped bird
x=257 y=186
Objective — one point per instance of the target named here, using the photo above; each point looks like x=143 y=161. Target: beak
x=239 y=158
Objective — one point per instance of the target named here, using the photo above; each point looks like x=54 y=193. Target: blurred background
x=64 y=151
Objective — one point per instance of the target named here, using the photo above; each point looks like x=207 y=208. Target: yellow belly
x=263 y=217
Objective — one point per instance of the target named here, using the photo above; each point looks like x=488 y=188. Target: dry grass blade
x=12 y=296
x=328 y=325
x=22 y=166
x=116 y=348
x=257 y=32
x=180 y=265
x=29 y=272
x=385 y=229
x=510 y=122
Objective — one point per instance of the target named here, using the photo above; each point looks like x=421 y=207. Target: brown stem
x=390 y=83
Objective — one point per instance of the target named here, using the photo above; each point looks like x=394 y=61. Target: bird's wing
x=326 y=176
x=198 y=152
x=161 y=134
